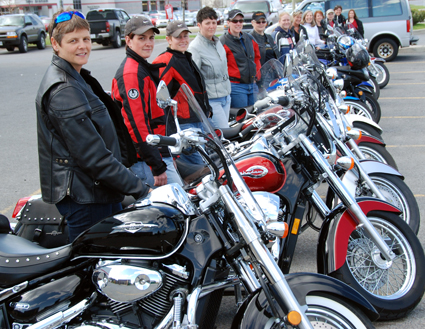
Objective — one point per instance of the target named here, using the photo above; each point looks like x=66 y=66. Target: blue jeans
x=193 y=158
x=221 y=109
x=81 y=217
x=242 y=95
x=172 y=174
x=143 y=171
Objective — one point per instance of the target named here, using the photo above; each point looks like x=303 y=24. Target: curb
x=412 y=49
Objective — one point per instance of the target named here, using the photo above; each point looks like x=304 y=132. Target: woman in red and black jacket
x=181 y=69
x=134 y=89
x=243 y=61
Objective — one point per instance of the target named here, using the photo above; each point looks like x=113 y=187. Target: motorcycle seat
x=21 y=260
x=232 y=132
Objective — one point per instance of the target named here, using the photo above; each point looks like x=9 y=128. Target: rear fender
x=351 y=118
x=370 y=139
x=255 y=312
x=364 y=87
x=377 y=59
x=336 y=231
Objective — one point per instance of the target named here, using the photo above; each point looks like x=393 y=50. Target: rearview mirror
x=162 y=95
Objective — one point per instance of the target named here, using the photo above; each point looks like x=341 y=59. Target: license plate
x=92 y=36
x=1 y=43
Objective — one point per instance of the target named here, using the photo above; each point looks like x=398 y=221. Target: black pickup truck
x=107 y=25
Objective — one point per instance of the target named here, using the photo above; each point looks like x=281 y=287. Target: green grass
x=419 y=26
x=416 y=7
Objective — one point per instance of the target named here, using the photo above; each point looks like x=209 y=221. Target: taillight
x=108 y=26
x=408 y=25
x=19 y=205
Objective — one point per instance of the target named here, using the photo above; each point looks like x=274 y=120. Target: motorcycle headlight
x=338 y=84
x=331 y=73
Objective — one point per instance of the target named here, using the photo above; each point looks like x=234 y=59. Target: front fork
x=347 y=199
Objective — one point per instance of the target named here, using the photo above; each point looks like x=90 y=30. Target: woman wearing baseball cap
x=134 y=89
x=179 y=68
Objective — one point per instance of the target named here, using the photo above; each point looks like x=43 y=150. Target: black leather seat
x=21 y=260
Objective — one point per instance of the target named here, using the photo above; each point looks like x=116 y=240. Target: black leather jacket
x=263 y=45
x=78 y=148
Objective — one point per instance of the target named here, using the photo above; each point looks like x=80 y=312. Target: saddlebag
x=42 y=223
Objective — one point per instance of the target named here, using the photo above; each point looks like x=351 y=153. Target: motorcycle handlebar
x=161 y=140
x=246 y=131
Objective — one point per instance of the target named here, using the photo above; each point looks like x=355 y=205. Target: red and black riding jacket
x=181 y=69
x=134 y=90
x=243 y=63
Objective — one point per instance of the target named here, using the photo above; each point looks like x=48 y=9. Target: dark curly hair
x=205 y=13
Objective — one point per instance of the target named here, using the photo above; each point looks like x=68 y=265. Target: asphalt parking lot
x=403 y=121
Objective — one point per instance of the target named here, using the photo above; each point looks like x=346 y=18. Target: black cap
x=233 y=13
x=175 y=28
x=139 y=25
x=258 y=15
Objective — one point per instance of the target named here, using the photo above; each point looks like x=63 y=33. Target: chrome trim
x=13 y=290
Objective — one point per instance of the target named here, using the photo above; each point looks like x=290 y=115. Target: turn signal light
x=346 y=162
x=344 y=109
x=343 y=93
x=294 y=318
x=279 y=229
x=19 y=205
x=360 y=93
x=354 y=133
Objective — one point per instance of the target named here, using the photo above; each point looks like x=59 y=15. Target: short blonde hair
x=313 y=23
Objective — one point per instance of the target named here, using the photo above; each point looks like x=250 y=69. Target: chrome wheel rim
x=359 y=110
x=386 y=280
x=393 y=195
x=371 y=154
x=381 y=74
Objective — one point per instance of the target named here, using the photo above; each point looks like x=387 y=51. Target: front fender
x=335 y=234
x=372 y=166
x=346 y=98
x=370 y=139
x=351 y=118
x=255 y=312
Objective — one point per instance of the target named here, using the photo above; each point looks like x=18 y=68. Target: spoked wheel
x=360 y=108
x=383 y=74
x=377 y=152
x=393 y=287
x=399 y=194
x=374 y=106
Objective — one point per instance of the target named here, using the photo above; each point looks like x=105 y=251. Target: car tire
x=10 y=48
x=41 y=43
x=23 y=44
x=386 y=48
x=116 y=42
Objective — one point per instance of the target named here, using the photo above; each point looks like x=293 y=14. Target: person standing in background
x=354 y=22
x=243 y=60
x=210 y=57
x=312 y=31
x=329 y=20
x=134 y=90
x=339 y=19
x=267 y=46
x=282 y=35
x=297 y=27
x=318 y=19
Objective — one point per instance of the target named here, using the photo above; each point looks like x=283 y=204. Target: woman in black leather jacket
x=79 y=153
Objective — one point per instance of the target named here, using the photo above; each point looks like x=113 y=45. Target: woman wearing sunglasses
x=268 y=48
x=243 y=61
x=79 y=153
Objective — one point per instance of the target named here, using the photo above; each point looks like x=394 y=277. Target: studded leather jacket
x=78 y=148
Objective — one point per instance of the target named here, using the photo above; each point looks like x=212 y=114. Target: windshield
x=11 y=21
x=215 y=151
x=251 y=6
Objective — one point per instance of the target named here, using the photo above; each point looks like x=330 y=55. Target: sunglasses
x=261 y=22
x=66 y=16
x=237 y=21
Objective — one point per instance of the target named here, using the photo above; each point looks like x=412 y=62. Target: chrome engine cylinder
x=124 y=283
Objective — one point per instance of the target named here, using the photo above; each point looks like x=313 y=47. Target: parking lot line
x=406 y=83
x=395 y=146
x=402 y=97
x=405 y=117
x=406 y=72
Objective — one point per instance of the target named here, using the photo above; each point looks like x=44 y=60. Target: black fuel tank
x=152 y=230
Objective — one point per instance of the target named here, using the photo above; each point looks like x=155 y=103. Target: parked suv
x=388 y=24
x=17 y=30
x=271 y=8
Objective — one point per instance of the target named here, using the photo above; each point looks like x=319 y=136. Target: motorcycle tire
x=377 y=152
x=384 y=75
x=367 y=128
x=399 y=194
x=360 y=108
x=394 y=288
x=375 y=85
x=374 y=106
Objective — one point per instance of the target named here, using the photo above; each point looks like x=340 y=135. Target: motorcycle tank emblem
x=132 y=227
x=255 y=172
x=21 y=306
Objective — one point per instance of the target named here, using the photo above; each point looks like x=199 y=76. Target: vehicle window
x=251 y=6
x=11 y=21
x=27 y=20
x=94 y=15
x=386 y=8
x=124 y=14
x=360 y=6
x=110 y=15
x=314 y=6
x=34 y=21
x=119 y=13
